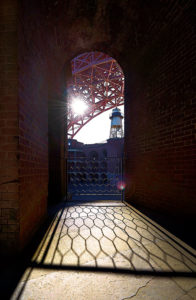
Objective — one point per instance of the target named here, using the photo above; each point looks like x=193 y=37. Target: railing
x=95 y=179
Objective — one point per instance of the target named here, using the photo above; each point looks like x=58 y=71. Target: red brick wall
x=33 y=122
x=9 y=206
x=41 y=118
x=33 y=142
x=155 y=45
x=160 y=122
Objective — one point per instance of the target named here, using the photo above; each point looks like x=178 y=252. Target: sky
x=97 y=130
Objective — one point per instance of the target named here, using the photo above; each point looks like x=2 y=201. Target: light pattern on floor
x=113 y=237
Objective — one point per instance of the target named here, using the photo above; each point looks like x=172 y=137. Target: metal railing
x=95 y=178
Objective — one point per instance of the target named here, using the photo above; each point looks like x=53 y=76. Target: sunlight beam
x=78 y=106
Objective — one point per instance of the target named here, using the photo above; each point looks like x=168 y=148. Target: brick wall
x=160 y=126
x=155 y=45
x=33 y=142
x=41 y=119
x=33 y=121
x=9 y=206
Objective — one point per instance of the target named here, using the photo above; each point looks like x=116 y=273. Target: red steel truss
x=99 y=81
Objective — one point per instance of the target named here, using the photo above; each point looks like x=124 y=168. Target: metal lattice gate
x=93 y=179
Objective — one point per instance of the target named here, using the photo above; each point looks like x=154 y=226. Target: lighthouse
x=116 y=129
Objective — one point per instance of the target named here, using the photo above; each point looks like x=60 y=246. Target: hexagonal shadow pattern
x=112 y=237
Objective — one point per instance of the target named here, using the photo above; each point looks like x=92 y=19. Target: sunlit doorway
x=95 y=128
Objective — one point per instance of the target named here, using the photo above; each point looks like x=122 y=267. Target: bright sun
x=79 y=106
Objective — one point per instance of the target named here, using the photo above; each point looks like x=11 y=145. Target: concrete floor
x=108 y=251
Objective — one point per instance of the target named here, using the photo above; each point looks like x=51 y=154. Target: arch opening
x=97 y=86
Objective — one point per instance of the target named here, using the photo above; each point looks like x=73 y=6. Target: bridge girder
x=98 y=80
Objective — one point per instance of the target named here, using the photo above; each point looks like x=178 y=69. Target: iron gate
x=93 y=179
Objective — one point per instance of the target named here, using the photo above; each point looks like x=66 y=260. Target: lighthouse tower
x=116 y=130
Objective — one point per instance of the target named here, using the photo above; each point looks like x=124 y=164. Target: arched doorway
x=96 y=87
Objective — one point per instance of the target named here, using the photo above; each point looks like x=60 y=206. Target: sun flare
x=79 y=106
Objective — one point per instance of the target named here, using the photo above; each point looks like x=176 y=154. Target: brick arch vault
x=153 y=43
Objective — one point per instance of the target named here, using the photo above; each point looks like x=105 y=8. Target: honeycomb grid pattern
x=88 y=176
x=112 y=237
